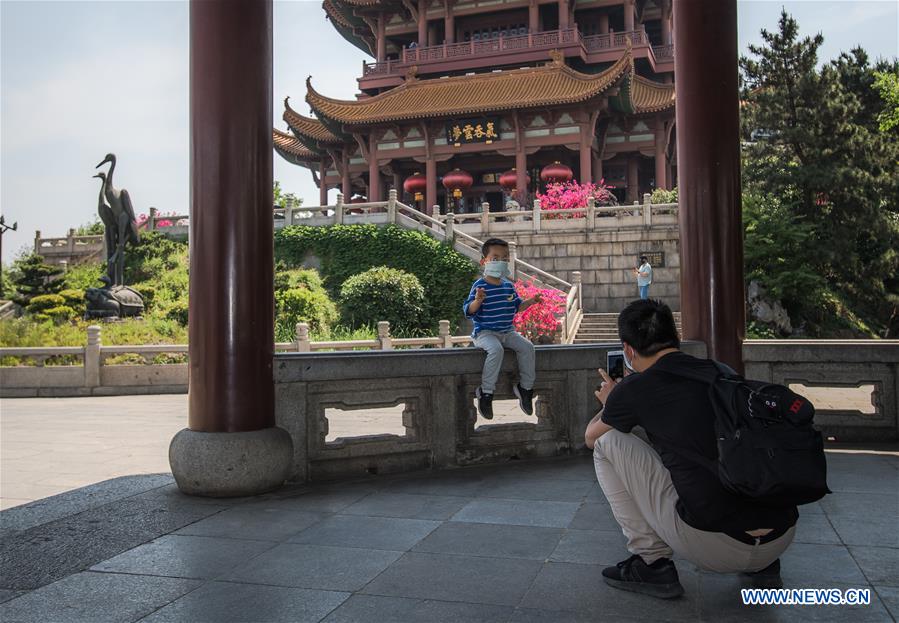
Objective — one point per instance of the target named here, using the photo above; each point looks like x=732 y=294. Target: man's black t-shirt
x=676 y=413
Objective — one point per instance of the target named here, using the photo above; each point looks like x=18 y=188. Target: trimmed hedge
x=346 y=250
x=302 y=305
x=383 y=293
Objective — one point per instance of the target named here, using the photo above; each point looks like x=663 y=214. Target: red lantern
x=556 y=172
x=509 y=180
x=416 y=185
x=457 y=181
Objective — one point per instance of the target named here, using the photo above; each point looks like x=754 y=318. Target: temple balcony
x=517 y=51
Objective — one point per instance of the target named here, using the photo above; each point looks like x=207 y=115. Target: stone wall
x=606 y=259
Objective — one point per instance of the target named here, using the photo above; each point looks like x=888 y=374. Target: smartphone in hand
x=615 y=364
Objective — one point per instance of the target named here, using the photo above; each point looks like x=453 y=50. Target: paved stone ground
x=520 y=542
x=52 y=445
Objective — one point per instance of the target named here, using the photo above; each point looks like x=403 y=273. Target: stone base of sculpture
x=230 y=464
x=112 y=302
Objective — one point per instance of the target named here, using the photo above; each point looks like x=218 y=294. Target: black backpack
x=768 y=449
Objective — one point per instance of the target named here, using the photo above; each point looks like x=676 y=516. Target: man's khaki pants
x=642 y=497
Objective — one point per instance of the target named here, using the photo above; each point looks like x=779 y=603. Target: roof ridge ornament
x=411 y=74
x=557 y=59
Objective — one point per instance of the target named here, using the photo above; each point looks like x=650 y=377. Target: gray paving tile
x=388 y=533
x=879 y=564
x=815 y=528
x=580 y=588
x=870 y=531
x=854 y=478
x=261 y=522
x=320 y=500
x=314 y=566
x=591 y=547
x=593 y=516
x=225 y=602
x=96 y=598
x=446 y=577
x=531 y=615
x=865 y=505
x=889 y=597
x=184 y=557
x=516 y=488
x=370 y=608
x=811 y=565
x=464 y=484
x=721 y=601
x=407 y=506
x=493 y=540
x=6 y=595
x=518 y=512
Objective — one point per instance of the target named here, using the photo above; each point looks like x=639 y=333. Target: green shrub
x=177 y=312
x=383 y=293
x=32 y=277
x=84 y=276
x=44 y=302
x=346 y=250
x=302 y=305
x=59 y=313
x=147 y=292
x=660 y=195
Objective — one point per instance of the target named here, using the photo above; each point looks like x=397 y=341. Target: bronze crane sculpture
x=110 y=227
x=123 y=213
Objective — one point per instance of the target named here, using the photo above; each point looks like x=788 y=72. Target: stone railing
x=70 y=250
x=95 y=369
x=435 y=390
x=445 y=229
x=836 y=364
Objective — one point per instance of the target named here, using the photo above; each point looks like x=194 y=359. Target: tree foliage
x=32 y=277
x=816 y=162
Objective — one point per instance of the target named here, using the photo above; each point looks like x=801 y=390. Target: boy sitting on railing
x=491 y=305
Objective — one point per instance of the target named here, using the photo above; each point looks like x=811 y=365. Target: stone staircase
x=604 y=328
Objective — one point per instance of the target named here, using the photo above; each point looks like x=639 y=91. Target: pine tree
x=812 y=141
x=32 y=277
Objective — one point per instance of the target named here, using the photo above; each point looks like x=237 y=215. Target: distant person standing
x=644 y=277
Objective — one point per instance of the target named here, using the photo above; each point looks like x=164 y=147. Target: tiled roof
x=549 y=85
x=649 y=96
x=291 y=149
x=335 y=14
x=308 y=127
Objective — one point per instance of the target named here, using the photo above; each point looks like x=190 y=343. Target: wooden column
x=521 y=173
x=345 y=186
x=533 y=17
x=322 y=187
x=586 y=159
x=449 y=23
x=708 y=153
x=382 y=39
x=231 y=333
x=660 y=154
x=431 y=191
x=628 y=15
x=633 y=185
x=666 y=26
x=374 y=174
x=604 y=24
x=563 y=14
x=597 y=169
x=422 y=23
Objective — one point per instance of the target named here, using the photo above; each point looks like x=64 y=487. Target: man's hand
x=605 y=388
x=480 y=295
x=537 y=298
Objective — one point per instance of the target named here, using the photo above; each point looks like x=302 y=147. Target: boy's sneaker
x=485 y=404
x=658 y=579
x=525 y=398
x=769 y=577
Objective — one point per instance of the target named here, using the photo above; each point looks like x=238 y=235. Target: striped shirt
x=496 y=310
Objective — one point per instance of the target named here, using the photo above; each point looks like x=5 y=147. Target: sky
x=80 y=79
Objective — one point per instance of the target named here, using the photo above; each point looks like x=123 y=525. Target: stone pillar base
x=230 y=464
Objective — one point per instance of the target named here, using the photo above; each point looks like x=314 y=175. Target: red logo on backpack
x=797 y=404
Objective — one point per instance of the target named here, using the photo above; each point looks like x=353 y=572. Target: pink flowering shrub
x=161 y=221
x=542 y=319
x=572 y=195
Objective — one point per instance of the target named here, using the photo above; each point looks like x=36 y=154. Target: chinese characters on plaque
x=483 y=130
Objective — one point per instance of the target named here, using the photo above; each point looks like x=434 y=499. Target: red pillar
x=628 y=15
x=346 y=187
x=604 y=24
x=660 y=159
x=322 y=187
x=533 y=17
x=666 y=27
x=422 y=23
x=521 y=172
x=633 y=184
x=586 y=161
x=374 y=176
x=708 y=160
x=382 y=39
x=597 y=169
x=431 y=191
x=449 y=23
x=231 y=333
x=563 y=14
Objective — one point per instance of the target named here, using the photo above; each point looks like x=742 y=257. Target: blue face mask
x=496 y=269
x=627 y=362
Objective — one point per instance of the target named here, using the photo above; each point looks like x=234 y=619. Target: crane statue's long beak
x=97 y=175
x=105 y=160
